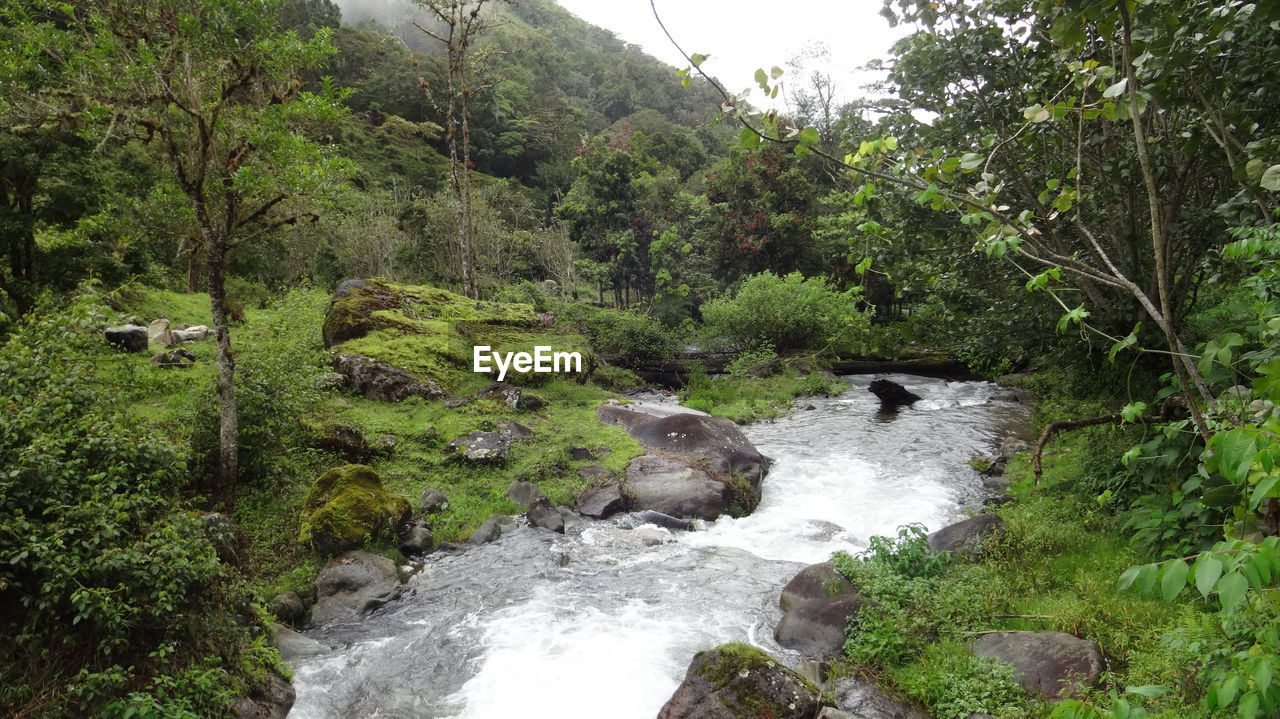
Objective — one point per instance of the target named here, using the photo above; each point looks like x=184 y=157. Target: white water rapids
x=603 y=620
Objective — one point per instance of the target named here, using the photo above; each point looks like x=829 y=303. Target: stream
x=603 y=620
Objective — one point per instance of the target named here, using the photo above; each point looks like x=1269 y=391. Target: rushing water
x=603 y=620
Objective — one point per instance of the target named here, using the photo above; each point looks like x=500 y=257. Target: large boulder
x=674 y=487
x=967 y=538
x=293 y=645
x=415 y=538
x=602 y=502
x=712 y=443
x=352 y=584
x=273 y=700
x=351 y=310
x=377 y=380
x=482 y=447
x=348 y=505
x=817 y=627
x=1049 y=665
x=891 y=394
x=737 y=680
x=816 y=581
x=130 y=338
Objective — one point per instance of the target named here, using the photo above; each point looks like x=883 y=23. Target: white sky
x=742 y=35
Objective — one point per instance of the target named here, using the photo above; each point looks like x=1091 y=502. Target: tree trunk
x=228 y=428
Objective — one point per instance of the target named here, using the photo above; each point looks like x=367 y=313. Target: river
x=603 y=620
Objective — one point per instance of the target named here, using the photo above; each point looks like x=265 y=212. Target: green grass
x=749 y=399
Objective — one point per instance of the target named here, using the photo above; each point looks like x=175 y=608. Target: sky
x=742 y=35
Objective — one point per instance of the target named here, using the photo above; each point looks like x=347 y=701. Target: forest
x=247 y=249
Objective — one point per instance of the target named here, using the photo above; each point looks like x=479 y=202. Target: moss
x=349 y=503
x=732 y=667
x=743 y=497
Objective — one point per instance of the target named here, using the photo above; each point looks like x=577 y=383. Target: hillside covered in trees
x=247 y=251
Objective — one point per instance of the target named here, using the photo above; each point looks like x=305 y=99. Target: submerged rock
x=665 y=521
x=891 y=394
x=1049 y=665
x=738 y=680
x=346 y=505
x=967 y=538
x=293 y=645
x=492 y=528
x=352 y=584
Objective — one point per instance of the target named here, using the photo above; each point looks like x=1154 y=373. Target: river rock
x=665 y=521
x=288 y=607
x=352 y=584
x=816 y=581
x=676 y=488
x=715 y=444
x=293 y=645
x=415 y=538
x=432 y=501
x=524 y=493
x=738 y=680
x=130 y=338
x=1049 y=665
x=346 y=505
x=492 y=528
x=482 y=447
x=968 y=537
x=817 y=627
x=272 y=701
x=891 y=394
x=863 y=700
x=377 y=380
x=158 y=332
x=602 y=502
x=544 y=515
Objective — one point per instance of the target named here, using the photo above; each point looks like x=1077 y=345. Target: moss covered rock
x=348 y=505
x=739 y=681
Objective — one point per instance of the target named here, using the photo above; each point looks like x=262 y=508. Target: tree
x=212 y=87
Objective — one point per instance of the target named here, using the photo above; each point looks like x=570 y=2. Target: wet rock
x=433 y=501
x=348 y=504
x=542 y=514
x=130 y=338
x=968 y=537
x=1049 y=665
x=833 y=713
x=817 y=581
x=524 y=494
x=377 y=380
x=602 y=502
x=738 y=680
x=891 y=394
x=352 y=584
x=484 y=447
x=272 y=701
x=175 y=359
x=665 y=521
x=415 y=538
x=863 y=700
x=288 y=607
x=293 y=645
x=676 y=488
x=1011 y=446
x=714 y=444
x=817 y=627
x=808 y=408
x=492 y=529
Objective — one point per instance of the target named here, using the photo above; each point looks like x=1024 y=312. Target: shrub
x=789 y=313
x=626 y=339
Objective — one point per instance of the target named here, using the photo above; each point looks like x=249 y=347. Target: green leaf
x=776 y=72
x=698 y=58
x=1263 y=490
x=1128 y=458
x=809 y=137
x=1117 y=89
x=762 y=79
x=863 y=266
x=1075 y=316
x=1271 y=179
x=1174 y=579
x=1036 y=113
x=1254 y=168
x=748 y=138
x=971 y=161
x=1149 y=690
x=1234 y=451
x=1133 y=410
x=1127 y=578
x=1147 y=576
x=1208 y=570
x=1231 y=590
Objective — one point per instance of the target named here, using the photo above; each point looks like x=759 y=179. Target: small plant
x=757 y=361
x=908 y=554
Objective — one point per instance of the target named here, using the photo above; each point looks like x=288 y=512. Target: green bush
x=110 y=584
x=953 y=684
x=626 y=339
x=789 y=313
x=525 y=292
